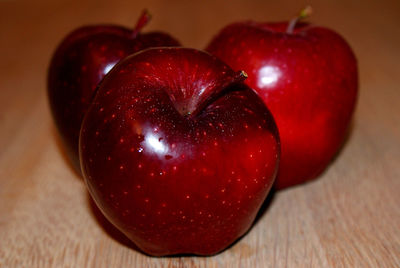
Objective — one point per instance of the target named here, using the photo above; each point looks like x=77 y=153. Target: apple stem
x=142 y=21
x=240 y=76
x=304 y=13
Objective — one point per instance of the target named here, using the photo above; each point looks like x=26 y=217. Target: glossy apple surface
x=307 y=78
x=78 y=65
x=177 y=152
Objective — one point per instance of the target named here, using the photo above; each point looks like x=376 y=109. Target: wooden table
x=349 y=217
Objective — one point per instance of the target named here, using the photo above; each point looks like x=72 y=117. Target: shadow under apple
x=75 y=167
x=107 y=226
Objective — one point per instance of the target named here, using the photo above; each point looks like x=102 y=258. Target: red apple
x=307 y=77
x=81 y=61
x=177 y=153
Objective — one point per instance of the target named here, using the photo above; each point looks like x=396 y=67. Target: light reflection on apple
x=268 y=76
x=154 y=144
x=108 y=67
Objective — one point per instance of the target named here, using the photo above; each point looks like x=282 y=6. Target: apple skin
x=177 y=153
x=78 y=65
x=309 y=81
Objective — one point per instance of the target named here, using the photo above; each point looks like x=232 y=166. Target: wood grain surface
x=349 y=217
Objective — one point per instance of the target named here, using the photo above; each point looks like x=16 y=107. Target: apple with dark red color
x=177 y=152
x=307 y=76
x=81 y=61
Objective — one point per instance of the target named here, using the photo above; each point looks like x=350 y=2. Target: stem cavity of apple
x=144 y=18
x=194 y=107
x=304 y=13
